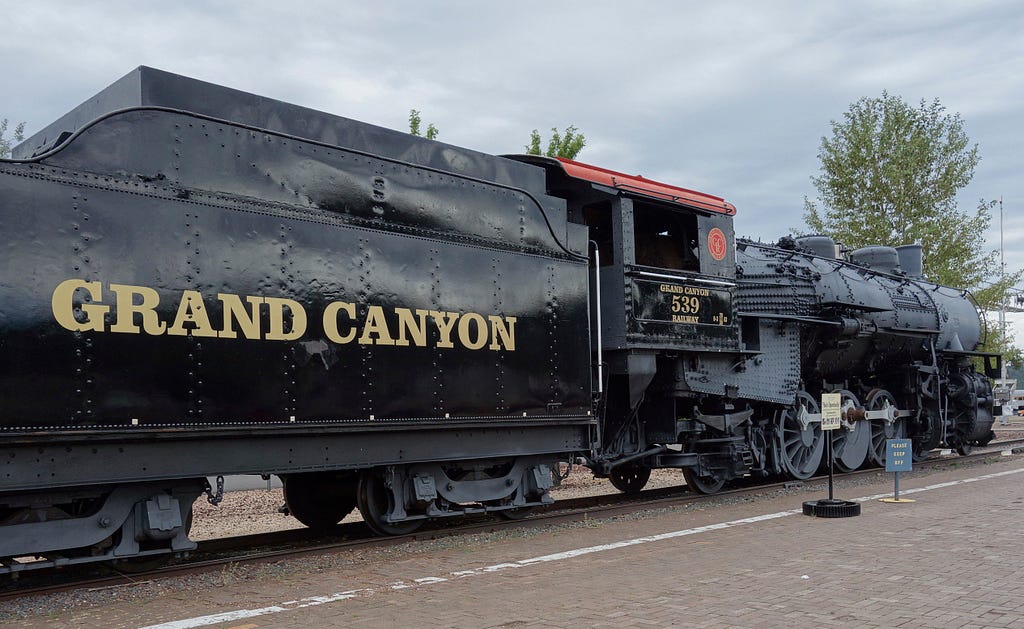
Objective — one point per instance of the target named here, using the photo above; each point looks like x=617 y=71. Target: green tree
x=890 y=174
x=567 y=145
x=414 y=125
x=5 y=143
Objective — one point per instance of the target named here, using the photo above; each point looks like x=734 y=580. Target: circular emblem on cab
x=717 y=245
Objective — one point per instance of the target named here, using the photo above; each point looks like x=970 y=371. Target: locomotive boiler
x=197 y=282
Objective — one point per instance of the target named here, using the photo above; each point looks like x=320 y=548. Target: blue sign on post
x=898 y=455
x=898 y=458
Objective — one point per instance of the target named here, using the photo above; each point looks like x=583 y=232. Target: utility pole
x=1003 y=381
x=1002 y=279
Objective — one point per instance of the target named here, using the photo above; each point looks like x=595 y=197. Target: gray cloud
x=729 y=97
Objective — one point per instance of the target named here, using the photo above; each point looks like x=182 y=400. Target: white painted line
x=313 y=601
x=242 y=614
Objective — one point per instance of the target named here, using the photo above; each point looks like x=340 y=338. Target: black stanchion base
x=829 y=508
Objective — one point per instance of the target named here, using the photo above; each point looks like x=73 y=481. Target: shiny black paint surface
x=174 y=203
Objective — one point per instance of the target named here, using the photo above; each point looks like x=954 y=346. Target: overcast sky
x=731 y=98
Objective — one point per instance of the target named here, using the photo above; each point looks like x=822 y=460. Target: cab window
x=665 y=238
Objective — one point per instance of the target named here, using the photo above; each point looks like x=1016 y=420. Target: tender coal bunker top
x=148 y=87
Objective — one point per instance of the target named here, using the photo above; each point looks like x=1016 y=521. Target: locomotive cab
x=663 y=289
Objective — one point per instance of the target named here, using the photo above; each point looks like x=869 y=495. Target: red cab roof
x=647 y=187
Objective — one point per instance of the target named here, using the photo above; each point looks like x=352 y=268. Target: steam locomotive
x=198 y=281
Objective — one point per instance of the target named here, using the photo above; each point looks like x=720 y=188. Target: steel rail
x=215 y=554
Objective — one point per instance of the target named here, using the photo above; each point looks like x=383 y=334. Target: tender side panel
x=192 y=295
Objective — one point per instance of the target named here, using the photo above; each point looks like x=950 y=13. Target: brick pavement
x=951 y=559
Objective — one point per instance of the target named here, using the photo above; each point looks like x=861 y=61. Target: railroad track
x=215 y=554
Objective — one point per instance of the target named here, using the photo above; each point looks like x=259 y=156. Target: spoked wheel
x=881 y=430
x=630 y=479
x=799 y=447
x=320 y=500
x=850 y=447
x=702 y=484
x=375 y=501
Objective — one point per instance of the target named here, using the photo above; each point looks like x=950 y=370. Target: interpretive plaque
x=831 y=410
